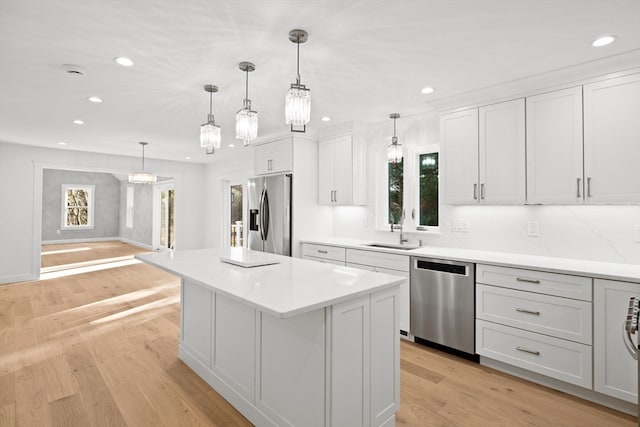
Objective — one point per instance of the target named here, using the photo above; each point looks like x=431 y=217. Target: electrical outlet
x=636 y=233
x=533 y=229
x=459 y=226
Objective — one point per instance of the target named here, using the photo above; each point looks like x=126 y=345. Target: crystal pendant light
x=142 y=177
x=394 y=151
x=210 y=132
x=298 y=101
x=246 y=118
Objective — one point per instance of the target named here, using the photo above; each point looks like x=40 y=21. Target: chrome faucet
x=403 y=240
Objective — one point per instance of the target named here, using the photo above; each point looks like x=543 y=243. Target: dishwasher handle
x=451 y=268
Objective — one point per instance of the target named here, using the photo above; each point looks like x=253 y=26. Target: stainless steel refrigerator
x=270 y=214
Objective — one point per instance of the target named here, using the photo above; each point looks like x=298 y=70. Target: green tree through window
x=396 y=184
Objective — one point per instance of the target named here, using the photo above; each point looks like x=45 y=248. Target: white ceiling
x=364 y=59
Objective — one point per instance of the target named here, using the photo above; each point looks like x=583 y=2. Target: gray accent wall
x=142 y=231
x=106 y=204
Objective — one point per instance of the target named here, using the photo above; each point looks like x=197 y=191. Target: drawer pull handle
x=520 y=279
x=526 y=350
x=524 y=310
x=323 y=252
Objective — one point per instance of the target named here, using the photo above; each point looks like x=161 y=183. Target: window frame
x=411 y=191
x=90 y=206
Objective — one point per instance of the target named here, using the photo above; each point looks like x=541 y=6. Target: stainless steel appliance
x=270 y=214
x=443 y=302
x=631 y=327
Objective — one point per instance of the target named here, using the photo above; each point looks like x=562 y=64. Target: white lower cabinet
x=561 y=359
x=390 y=264
x=523 y=318
x=615 y=372
x=324 y=253
x=337 y=366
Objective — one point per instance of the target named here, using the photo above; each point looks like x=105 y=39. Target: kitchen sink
x=393 y=246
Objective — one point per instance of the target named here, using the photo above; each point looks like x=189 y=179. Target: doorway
x=164 y=217
x=236 y=223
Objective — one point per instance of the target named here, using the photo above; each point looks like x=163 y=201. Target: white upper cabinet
x=484 y=154
x=459 y=144
x=502 y=153
x=612 y=140
x=554 y=148
x=273 y=157
x=341 y=170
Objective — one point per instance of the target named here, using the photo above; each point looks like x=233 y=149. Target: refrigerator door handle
x=260 y=218
x=264 y=212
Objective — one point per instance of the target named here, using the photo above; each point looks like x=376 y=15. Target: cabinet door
x=502 y=153
x=615 y=370
x=262 y=159
x=281 y=157
x=325 y=172
x=554 y=147
x=196 y=319
x=404 y=301
x=459 y=144
x=612 y=140
x=343 y=170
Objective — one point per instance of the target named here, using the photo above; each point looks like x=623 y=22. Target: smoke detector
x=74 y=70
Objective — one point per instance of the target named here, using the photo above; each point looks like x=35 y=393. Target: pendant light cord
x=298 y=61
x=143 y=157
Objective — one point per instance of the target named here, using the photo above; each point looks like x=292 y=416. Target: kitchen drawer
x=322 y=251
x=558 y=317
x=378 y=259
x=325 y=260
x=562 y=285
x=560 y=359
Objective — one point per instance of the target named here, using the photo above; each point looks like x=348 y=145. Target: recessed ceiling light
x=326 y=119
x=603 y=41
x=62 y=143
x=232 y=145
x=427 y=90
x=78 y=122
x=95 y=99
x=125 y=62
x=187 y=158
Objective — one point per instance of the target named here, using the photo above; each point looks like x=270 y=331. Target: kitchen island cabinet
x=292 y=343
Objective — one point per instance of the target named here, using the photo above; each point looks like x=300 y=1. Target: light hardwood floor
x=100 y=349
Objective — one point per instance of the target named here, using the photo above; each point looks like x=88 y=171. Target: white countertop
x=291 y=287
x=604 y=270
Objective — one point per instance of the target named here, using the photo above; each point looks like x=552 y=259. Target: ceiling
x=364 y=59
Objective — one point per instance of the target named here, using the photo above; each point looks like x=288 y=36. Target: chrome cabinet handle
x=526 y=350
x=524 y=310
x=588 y=186
x=520 y=279
x=413 y=213
x=578 y=187
x=323 y=252
x=335 y=196
x=475 y=191
x=482 y=191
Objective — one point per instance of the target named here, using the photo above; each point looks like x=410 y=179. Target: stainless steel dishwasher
x=443 y=302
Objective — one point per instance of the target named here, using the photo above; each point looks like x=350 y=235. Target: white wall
x=600 y=233
x=21 y=177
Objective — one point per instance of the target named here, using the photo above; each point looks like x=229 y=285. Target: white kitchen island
x=296 y=343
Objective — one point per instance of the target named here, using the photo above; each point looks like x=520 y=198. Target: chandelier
x=142 y=177
x=298 y=101
x=394 y=151
x=210 y=132
x=246 y=118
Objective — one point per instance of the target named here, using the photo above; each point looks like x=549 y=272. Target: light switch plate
x=533 y=230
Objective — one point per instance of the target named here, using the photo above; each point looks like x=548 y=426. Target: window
x=77 y=206
x=412 y=192
x=428 y=190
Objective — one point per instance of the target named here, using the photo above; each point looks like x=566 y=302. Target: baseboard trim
x=6 y=280
x=91 y=239
x=133 y=242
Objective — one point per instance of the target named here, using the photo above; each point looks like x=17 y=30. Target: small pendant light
x=210 y=132
x=142 y=177
x=394 y=151
x=246 y=118
x=298 y=101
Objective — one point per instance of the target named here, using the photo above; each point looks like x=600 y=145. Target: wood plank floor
x=100 y=349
